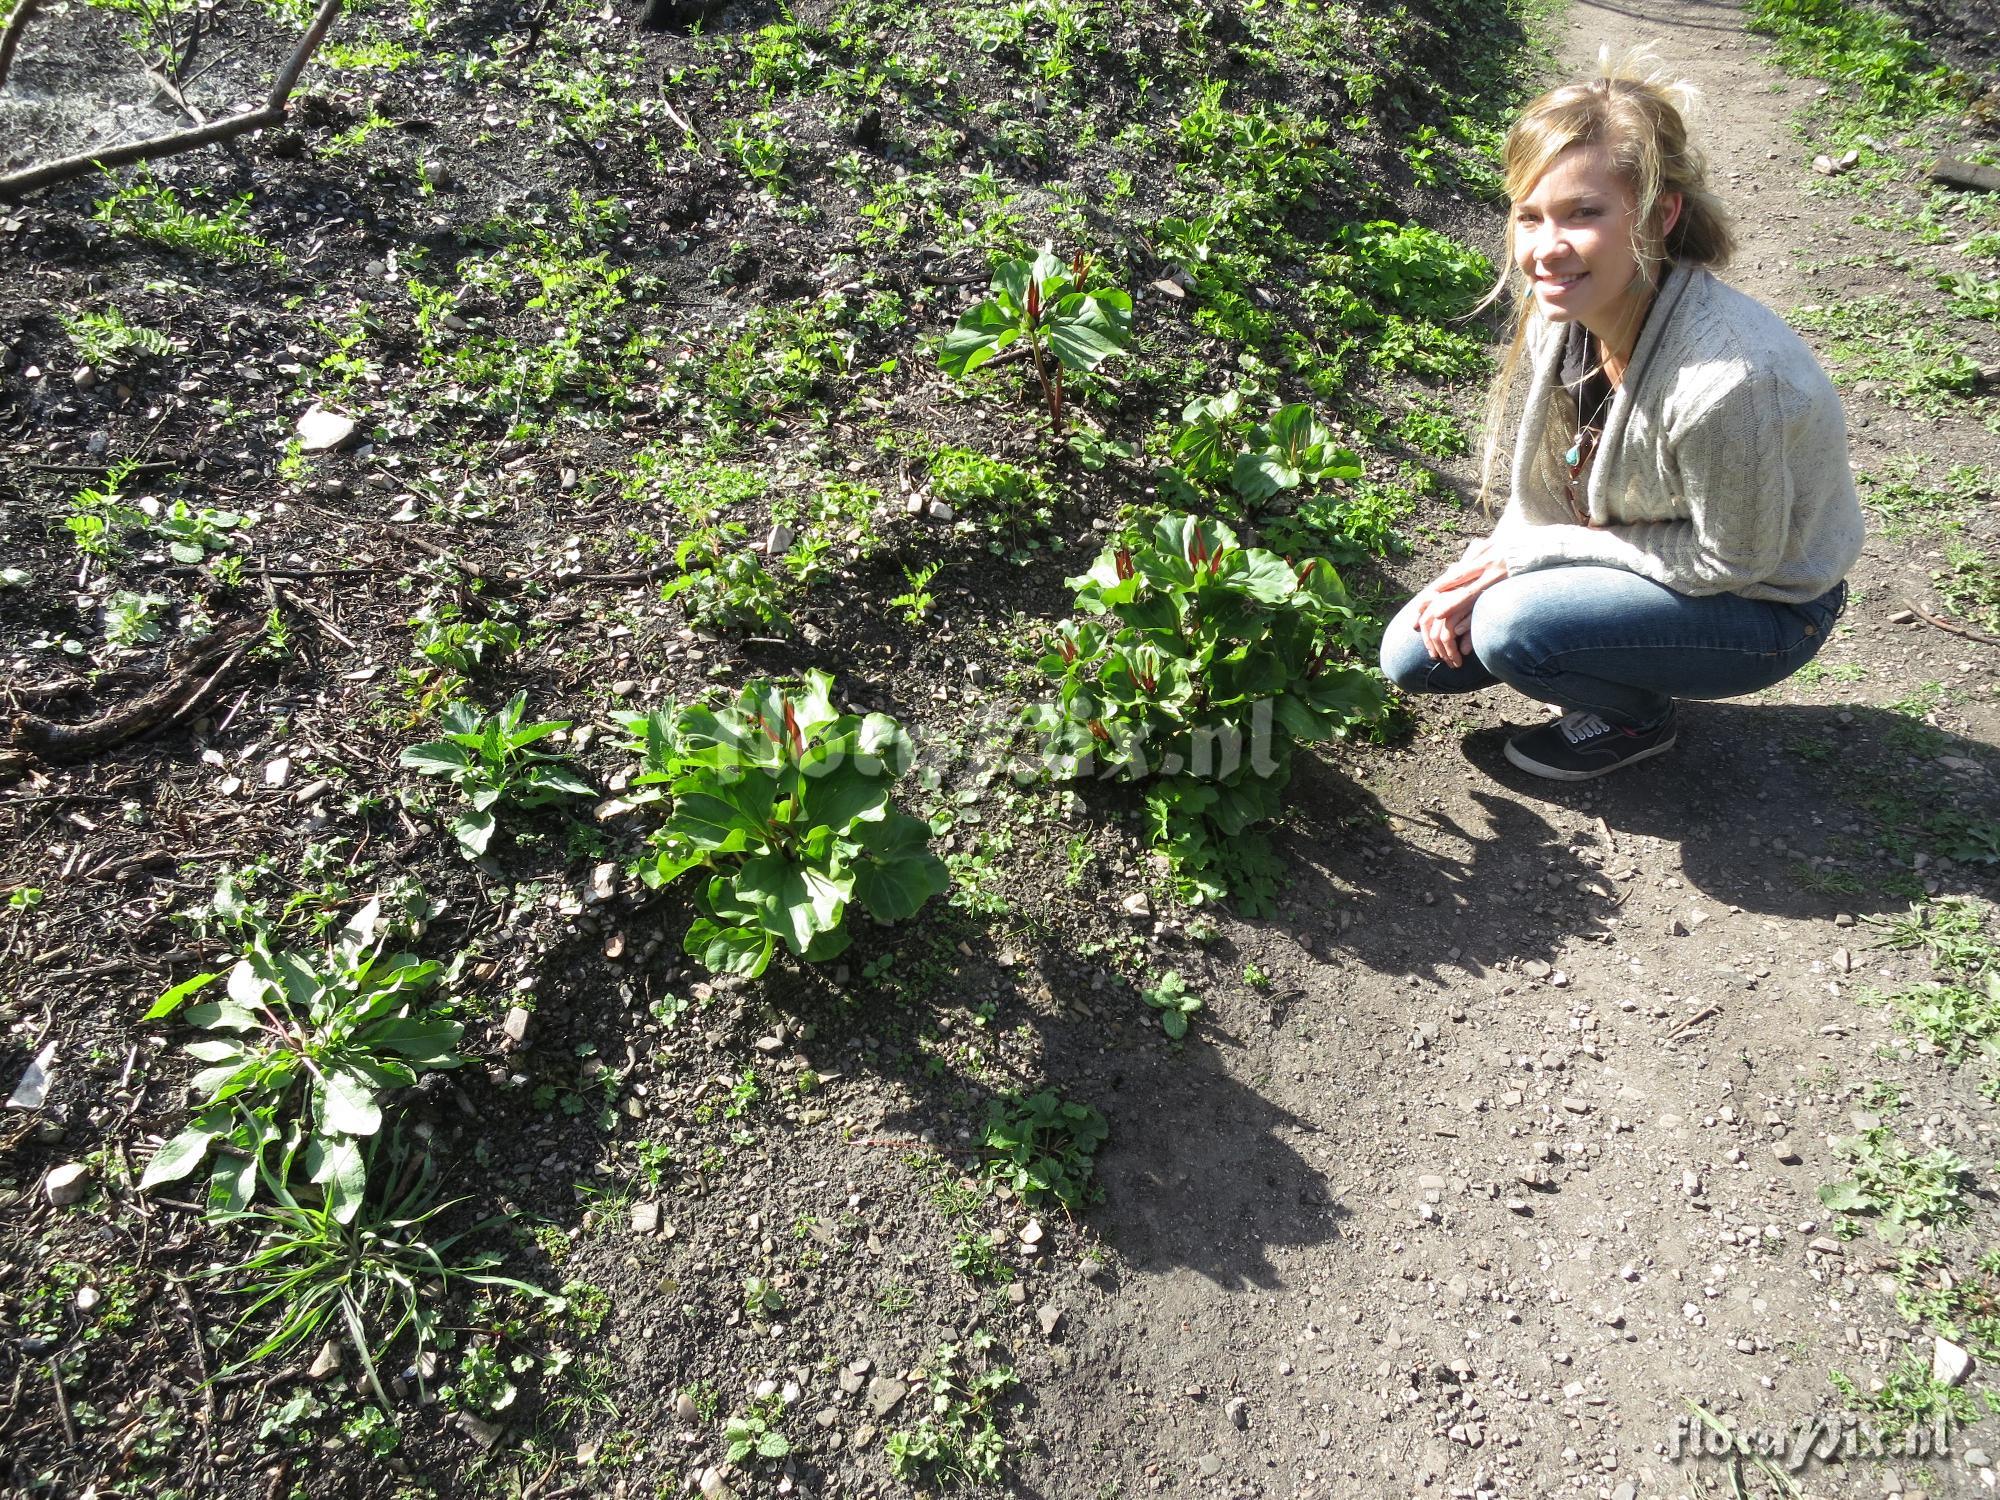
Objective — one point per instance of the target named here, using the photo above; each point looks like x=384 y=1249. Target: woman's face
x=1573 y=240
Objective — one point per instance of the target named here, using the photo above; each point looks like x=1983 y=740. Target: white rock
x=67 y=1184
x=1949 y=1363
x=515 y=1027
x=320 y=429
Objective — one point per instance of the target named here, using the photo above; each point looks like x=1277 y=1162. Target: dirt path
x=1521 y=1158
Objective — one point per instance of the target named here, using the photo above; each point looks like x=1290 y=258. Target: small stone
x=84 y=378
x=826 y=1416
x=1575 y=1105
x=1843 y=919
x=1031 y=1232
x=778 y=541
x=320 y=429
x=1138 y=904
x=67 y=1184
x=685 y=1411
x=327 y=1363
x=1949 y=1363
x=712 y=1485
x=1977 y=1458
x=937 y=510
x=884 y=1392
x=1785 y=1154
x=87 y=1298
x=1691 y=1182
x=435 y=173
x=1050 y=1317
x=1238 y=1411
x=1534 y=968
x=482 y=1432
x=645 y=1218
x=515 y=1027
x=1210 y=1465
x=624 y=687
x=863 y=1435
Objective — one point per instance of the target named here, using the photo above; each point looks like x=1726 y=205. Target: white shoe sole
x=1557 y=773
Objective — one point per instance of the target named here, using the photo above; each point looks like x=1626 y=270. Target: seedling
x=1048 y=304
x=1175 y=1002
x=916 y=604
x=192 y=534
x=959 y=1441
x=133 y=620
x=757 y=1433
x=489 y=758
x=107 y=343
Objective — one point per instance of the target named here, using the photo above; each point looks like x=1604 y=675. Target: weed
x=444 y=635
x=761 y=1300
x=1910 y=1397
x=1175 y=1002
x=756 y=1433
x=344 y=1027
x=1040 y=1147
x=1861 y=46
x=723 y=589
x=192 y=534
x=973 y=1255
x=916 y=602
x=1874 y=339
x=106 y=342
x=133 y=620
x=1969 y=584
x=1903 y=1191
x=148 y=210
x=1290 y=446
x=491 y=760
x=959 y=1440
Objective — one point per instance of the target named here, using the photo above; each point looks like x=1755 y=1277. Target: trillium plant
x=778 y=805
x=1219 y=444
x=1199 y=665
x=1050 y=306
x=299 y=1051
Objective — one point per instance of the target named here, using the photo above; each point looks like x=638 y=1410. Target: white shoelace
x=1583 y=725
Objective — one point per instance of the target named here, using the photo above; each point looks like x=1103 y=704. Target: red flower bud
x=1097 y=728
x=792 y=728
x=1123 y=560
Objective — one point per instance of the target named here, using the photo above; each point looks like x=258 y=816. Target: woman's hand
x=1444 y=608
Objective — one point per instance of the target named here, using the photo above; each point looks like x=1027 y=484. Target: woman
x=1682 y=513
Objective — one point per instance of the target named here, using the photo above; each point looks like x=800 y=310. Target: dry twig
x=10 y=39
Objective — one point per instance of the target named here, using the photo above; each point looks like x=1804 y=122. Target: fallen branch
x=172 y=699
x=272 y=112
x=11 y=37
x=1945 y=625
x=1952 y=172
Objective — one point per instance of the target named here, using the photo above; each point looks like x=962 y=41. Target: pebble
x=67 y=1184
x=1949 y=1363
x=320 y=429
x=84 y=378
x=645 y=1218
x=685 y=1411
x=327 y=1363
x=1138 y=904
x=1209 y=1465
x=435 y=173
x=1238 y=1411
x=712 y=1485
x=482 y=1432
x=884 y=1392
x=515 y=1027
x=864 y=1435
x=937 y=510
x=1977 y=1458
x=1050 y=1317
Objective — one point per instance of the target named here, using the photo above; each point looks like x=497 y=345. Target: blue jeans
x=1617 y=644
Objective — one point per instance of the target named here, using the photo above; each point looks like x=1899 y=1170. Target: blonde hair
x=1639 y=117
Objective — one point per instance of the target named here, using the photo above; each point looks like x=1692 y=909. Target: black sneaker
x=1580 y=745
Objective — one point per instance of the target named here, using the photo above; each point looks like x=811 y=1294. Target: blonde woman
x=1682 y=513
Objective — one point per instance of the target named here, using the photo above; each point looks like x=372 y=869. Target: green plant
x=1041 y=1147
x=133 y=620
x=105 y=341
x=973 y=1255
x=99 y=512
x=302 y=1050
x=442 y=634
x=781 y=803
x=916 y=604
x=489 y=758
x=1862 y=46
x=1050 y=306
x=148 y=210
x=1901 y=1189
x=723 y=589
x=756 y=1433
x=1175 y=1002
x=761 y=1300
x=191 y=534
x=958 y=1441
x=1258 y=459
x=1217 y=659
x=371 y=1276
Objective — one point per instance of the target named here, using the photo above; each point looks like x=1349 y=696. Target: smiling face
x=1575 y=235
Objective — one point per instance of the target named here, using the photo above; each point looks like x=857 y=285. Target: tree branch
x=271 y=113
x=11 y=37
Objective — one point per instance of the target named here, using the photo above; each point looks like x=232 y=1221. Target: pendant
x=1574 y=456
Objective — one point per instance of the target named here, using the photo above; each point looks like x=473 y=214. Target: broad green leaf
x=795 y=901
x=438 y=758
x=430 y=1040
x=982 y=333
x=729 y=950
x=896 y=873
x=347 y=1104
x=1089 y=327
x=216 y=1051
x=841 y=794
x=1261 y=473
x=474 y=831
x=177 y=1158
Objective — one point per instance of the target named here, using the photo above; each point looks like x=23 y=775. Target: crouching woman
x=1682 y=513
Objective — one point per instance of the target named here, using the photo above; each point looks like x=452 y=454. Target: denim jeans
x=1617 y=644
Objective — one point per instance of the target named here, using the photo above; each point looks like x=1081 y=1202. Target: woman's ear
x=1669 y=210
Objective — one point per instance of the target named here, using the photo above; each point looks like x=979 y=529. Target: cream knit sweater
x=1723 y=465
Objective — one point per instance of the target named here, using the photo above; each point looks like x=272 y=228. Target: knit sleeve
x=1735 y=480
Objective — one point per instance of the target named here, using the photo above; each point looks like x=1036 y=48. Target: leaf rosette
x=779 y=805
